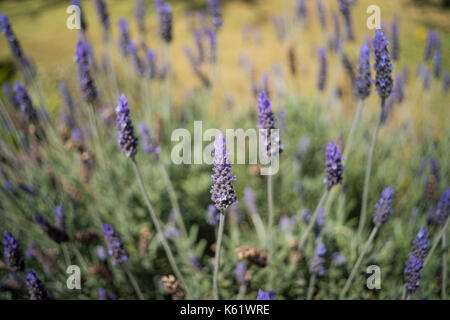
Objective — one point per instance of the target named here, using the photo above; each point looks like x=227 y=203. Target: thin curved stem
x=362 y=217
x=349 y=142
x=133 y=282
x=358 y=263
x=217 y=256
x=312 y=283
x=313 y=220
x=436 y=242
x=158 y=226
x=270 y=228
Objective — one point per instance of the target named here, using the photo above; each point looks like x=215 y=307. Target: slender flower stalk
x=382 y=213
x=322 y=75
x=164 y=11
x=128 y=143
x=316 y=268
x=384 y=84
x=85 y=79
x=215 y=11
x=223 y=196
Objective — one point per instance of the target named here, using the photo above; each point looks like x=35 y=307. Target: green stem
x=133 y=282
x=404 y=292
x=313 y=220
x=436 y=242
x=270 y=228
x=348 y=145
x=172 y=197
x=312 y=282
x=66 y=254
x=357 y=264
x=362 y=218
x=217 y=256
x=158 y=226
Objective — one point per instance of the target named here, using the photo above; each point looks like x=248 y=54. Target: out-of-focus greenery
x=417 y=128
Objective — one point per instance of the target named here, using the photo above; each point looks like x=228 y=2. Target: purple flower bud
x=338 y=259
x=212 y=38
x=13 y=43
x=151 y=62
x=337 y=31
x=446 y=82
x=138 y=64
x=222 y=191
x=171 y=232
x=25 y=103
x=317 y=265
x=250 y=201
x=302 y=10
x=266 y=121
x=412 y=274
x=305 y=215
x=240 y=272
x=213 y=216
x=420 y=245
x=124 y=37
x=395 y=39
x=86 y=82
x=320 y=222
x=139 y=12
x=149 y=145
x=269 y=295
x=383 y=66
x=102 y=12
x=60 y=218
x=345 y=7
x=384 y=207
x=215 y=11
x=10 y=96
x=164 y=11
x=195 y=263
x=333 y=163
x=36 y=288
x=432 y=43
x=115 y=247
x=286 y=223
x=103 y=295
x=443 y=208
x=437 y=67
x=364 y=77
x=126 y=139
x=322 y=75
x=101 y=252
x=12 y=255
x=398 y=90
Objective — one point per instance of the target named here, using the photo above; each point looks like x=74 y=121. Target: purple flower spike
x=364 y=77
x=103 y=295
x=433 y=43
x=138 y=64
x=102 y=12
x=322 y=76
x=13 y=43
x=196 y=263
x=317 y=265
x=420 y=245
x=333 y=163
x=240 y=272
x=321 y=14
x=26 y=105
x=412 y=274
x=212 y=38
x=345 y=7
x=124 y=37
x=250 y=201
x=443 y=208
x=85 y=79
x=139 y=12
x=383 y=66
x=266 y=121
x=437 y=67
x=126 y=139
x=10 y=96
x=115 y=247
x=398 y=90
x=60 y=218
x=83 y=24
x=151 y=62
x=12 y=255
x=164 y=11
x=222 y=191
x=302 y=10
x=384 y=207
x=263 y=295
x=149 y=145
x=395 y=40
x=446 y=82
x=36 y=288
x=338 y=258
x=215 y=11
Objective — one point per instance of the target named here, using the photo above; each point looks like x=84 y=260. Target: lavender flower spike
x=384 y=207
x=151 y=62
x=420 y=245
x=10 y=96
x=103 y=15
x=318 y=261
x=83 y=24
x=443 y=208
x=383 y=66
x=215 y=11
x=164 y=11
x=126 y=140
x=115 y=247
x=240 y=273
x=412 y=274
x=363 y=78
x=36 y=288
x=269 y=295
x=321 y=13
x=86 y=82
x=266 y=121
x=345 y=6
x=222 y=191
x=60 y=218
x=13 y=43
x=124 y=37
x=149 y=145
x=138 y=64
x=333 y=163
x=12 y=255
x=25 y=103
x=395 y=39
x=322 y=77
x=139 y=13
